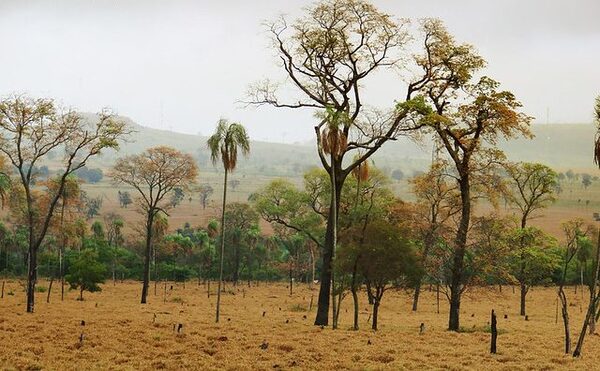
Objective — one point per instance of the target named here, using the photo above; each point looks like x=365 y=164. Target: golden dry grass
x=120 y=333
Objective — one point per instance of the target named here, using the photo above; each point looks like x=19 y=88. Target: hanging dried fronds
x=361 y=172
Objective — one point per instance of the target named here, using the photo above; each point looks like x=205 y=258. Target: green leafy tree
x=224 y=145
x=531 y=188
x=385 y=259
x=86 y=272
x=29 y=130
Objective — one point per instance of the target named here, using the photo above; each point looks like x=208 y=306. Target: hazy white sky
x=182 y=65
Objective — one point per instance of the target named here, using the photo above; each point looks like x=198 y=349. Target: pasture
x=119 y=333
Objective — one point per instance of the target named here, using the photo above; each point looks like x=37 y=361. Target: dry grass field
x=119 y=333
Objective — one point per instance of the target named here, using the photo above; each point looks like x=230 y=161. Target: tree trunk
x=459 y=253
x=291 y=280
x=565 y=317
x=494 y=331
x=416 y=295
x=523 y=296
x=147 y=256
x=437 y=297
x=326 y=271
x=354 y=289
x=590 y=318
x=375 y=313
x=49 y=289
x=81 y=293
x=31 y=277
x=355 y=300
x=222 y=258
x=61 y=251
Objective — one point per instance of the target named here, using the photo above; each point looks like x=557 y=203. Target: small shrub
x=298 y=308
x=40 y=289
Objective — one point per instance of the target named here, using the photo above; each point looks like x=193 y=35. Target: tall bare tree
x=224 y=144
x=328 y=57
x=29 y=130
x=154 y=173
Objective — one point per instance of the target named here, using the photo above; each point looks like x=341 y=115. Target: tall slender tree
x=531 y=188
x=154 y=174
x=328 y=56
x=229 y=137
x=468 y=116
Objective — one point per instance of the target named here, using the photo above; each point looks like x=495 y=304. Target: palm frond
x=226 y=140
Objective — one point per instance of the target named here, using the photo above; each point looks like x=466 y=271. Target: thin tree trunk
x=291 y=280
x=437 y=297
x=565 y=317
x=61 y=250
x=375 y=314
x=494 y=331
x=147 y=256
x=222 y=247
x=354 y=289
x=416 y=296
x=591 y=312
x=523 y=296
x=49 y=289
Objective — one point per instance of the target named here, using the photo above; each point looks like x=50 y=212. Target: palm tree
x=224 y=145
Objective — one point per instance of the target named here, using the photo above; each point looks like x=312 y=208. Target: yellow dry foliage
x=119 y=333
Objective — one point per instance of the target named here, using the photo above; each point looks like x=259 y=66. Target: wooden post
x=49 y=290
x=494 y=333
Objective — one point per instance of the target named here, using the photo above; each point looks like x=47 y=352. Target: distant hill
x=561 y=146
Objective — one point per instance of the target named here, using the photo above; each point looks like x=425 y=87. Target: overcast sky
x=182 y=65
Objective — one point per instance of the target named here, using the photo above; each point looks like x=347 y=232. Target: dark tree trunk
x=355 y=301
x=49 y=290
x=291 y=280
x=416 y=296
x=354 y=290
x=590 y=318
x=375 y=313
x=494 y=331
x=565 y=317
x=524 y=290
x=147 y=256
x=437 y=297
x=456 y=282
x=31 y=277
x=429 y=238
x=326 y=271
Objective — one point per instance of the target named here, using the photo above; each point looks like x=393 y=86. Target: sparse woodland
x=360 y=257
